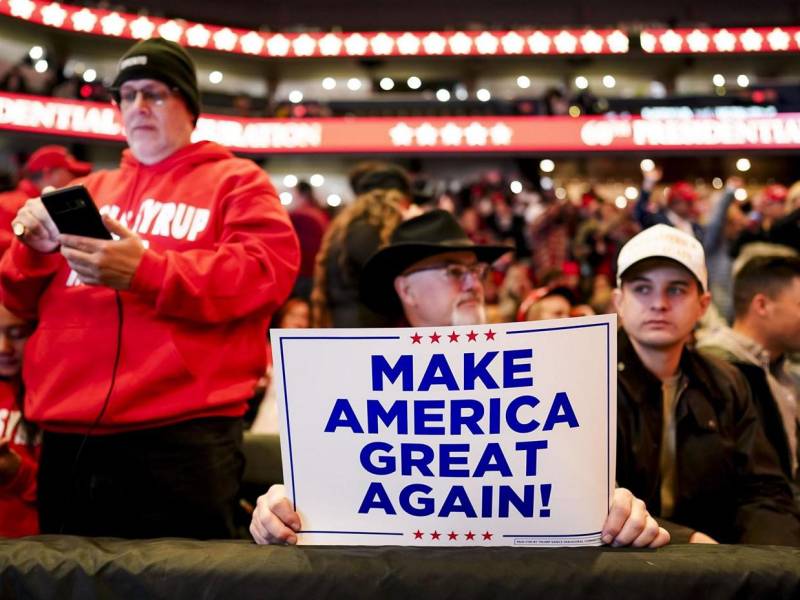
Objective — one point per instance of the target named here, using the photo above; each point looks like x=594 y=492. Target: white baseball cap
x=663 y=241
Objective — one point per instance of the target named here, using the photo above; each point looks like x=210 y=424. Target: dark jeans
x=176 y=481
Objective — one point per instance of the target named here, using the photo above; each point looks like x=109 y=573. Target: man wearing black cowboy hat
x=432 y=273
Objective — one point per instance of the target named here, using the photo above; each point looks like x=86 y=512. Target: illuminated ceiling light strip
x=381 y=43
x=720 y=40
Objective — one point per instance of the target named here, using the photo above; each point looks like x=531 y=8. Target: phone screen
x=74 y=212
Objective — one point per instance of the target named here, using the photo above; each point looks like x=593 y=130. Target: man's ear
x=759 y=304
x=616 y=298
x=705 y=302
x=403 y=290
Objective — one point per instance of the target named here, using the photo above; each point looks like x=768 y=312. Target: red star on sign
x=469 y=535
x=489 y=335
x=435 y=338
x=453 y=337
x=436 y=535
x=487 y=536
x=417 y=535
x=472 y=336
x=415 y=339
x=452 y=535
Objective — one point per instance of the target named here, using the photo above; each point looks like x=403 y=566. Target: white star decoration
x=401 y=134
x=460 y=43
x=617 y=42
x=198 y=36
x=53 y=15
x=142 y=28
x=500 y=134
x=330 y=44
x=278 y=45
x=476 y=134
x=408 y=43
x=591 y=42
x=724 y=40
x=112 y=24
x=303 y=45
x=648 y=41
x=170 y=31
x=382 y=44
x=451 y=134
x=251 y=43
x=778 y=39
x=427 y=134
x=671 y=41
x=84 y=20
x=698 y=41
x=356 y=44
x=486 y=43
x=565 y=42
x=225 y=39
x=539 y=42
x=513 y=43
x=434 y=43
x=21 y=8
x=751 y=40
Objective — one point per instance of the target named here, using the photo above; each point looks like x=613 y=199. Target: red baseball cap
x=681 y=191
x=52 y=157
x=775 y=193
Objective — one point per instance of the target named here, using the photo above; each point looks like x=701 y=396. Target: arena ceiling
x=459 y=14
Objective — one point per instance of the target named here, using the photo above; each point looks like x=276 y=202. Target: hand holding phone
x=34 y=227
x=74 y=212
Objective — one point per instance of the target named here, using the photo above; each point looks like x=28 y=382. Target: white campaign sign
x=491 y=435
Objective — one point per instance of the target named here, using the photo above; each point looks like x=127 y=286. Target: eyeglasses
x=127 y=97
x=456 y=272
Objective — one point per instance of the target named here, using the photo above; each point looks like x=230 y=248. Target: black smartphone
x=74 y=212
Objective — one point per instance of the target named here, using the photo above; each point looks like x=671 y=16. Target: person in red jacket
x=49 y=166
x=149 y=345
x=19 y=444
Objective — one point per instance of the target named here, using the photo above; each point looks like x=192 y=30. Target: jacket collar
x=638 y=381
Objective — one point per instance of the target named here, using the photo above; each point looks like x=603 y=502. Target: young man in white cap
x=149 y=345
x=432 y=274
x=690 y=443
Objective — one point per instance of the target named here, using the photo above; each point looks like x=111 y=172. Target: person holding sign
x=432 y=274
x=689 y=438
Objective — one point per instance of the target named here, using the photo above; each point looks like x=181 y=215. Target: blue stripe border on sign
x=515 y=332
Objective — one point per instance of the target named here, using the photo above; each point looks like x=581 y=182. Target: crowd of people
x=127 y=364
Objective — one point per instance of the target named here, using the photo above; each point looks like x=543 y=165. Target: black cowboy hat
x=432 y=233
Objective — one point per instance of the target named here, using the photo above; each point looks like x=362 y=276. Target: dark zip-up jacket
x=730 y=484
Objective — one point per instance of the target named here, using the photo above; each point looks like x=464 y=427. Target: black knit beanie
x=164 y=61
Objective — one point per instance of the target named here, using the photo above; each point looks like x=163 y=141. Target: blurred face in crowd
x=157 y=121
x=14 y=332
x=56 y=177
x=446 y=289
x=780 y=318
x=296 y=315
x=683 y=208
x=549 y=307
x=771 y=209
x=659 y=303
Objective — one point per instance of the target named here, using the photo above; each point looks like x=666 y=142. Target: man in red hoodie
x=149 y=345
x=49 y=166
